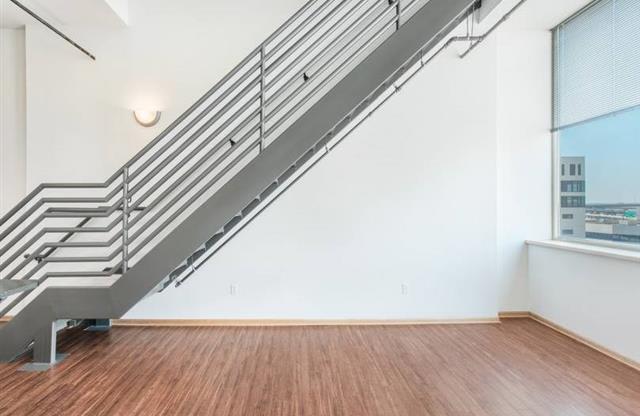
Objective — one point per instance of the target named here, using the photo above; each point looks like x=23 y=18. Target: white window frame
x=556 y=170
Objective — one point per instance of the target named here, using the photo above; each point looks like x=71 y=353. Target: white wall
x=593 y=296
x=437 y=191
x=12 y=118
x=454 y=208
x=524 y=155
x=408 y=199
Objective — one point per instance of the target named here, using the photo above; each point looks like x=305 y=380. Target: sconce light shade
x=147 y=118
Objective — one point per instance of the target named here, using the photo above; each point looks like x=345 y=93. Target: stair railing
x=196 y=154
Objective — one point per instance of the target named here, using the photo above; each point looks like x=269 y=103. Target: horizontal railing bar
x=88 y=259
x=73 y=185
x=186 y=189
x=80 y=214
x=57 y=210
x=58 y=230
x=73 y=200
x=58 y=275
x=190 y=201
x=80 y=244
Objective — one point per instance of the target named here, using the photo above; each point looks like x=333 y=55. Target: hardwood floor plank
x=517 y=368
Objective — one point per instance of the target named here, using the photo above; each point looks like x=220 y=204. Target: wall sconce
x=147 y=118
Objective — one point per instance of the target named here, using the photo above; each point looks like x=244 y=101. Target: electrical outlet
x=404 y=289
x=233 y=289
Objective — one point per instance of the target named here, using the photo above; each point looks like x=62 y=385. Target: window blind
x=597 y=62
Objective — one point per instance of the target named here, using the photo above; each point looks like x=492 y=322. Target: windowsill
x=616 y=253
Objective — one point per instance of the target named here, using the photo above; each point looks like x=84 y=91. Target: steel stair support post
x=125 y=219
x=44 y=349
x=99 y=325
x=104 y=325
x=398 y=14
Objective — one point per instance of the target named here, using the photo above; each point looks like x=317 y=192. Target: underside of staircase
x=408 y=35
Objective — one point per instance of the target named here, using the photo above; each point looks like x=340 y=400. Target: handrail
x=64 y=239
x=230 y=124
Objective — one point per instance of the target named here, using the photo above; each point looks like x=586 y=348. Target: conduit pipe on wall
x=493 y=28
x=53 y=29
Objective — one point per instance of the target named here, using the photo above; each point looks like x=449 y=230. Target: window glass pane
x=601 y=199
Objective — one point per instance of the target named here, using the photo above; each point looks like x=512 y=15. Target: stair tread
x=213 y=240
x=179 y=270
x=195 y=256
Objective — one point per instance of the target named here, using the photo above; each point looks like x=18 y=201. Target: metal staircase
x=93 y=250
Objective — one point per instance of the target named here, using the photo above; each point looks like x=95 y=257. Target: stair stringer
x=426 y=27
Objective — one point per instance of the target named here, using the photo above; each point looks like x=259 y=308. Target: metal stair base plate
x=40 y=367
x=99 y=325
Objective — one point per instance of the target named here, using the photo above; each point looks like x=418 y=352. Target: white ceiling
x=65 y=12
x=538 y=14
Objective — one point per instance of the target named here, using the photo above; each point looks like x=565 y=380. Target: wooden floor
x=516 y=368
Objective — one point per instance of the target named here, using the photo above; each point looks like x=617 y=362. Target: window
x=572 y=202
x=597 y=123
x=572 y=186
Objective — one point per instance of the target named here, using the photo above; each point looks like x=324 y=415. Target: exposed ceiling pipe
x=493 y=28
x=53 y=29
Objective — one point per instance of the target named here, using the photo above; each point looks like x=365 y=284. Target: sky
x=611 y=147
